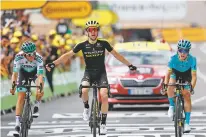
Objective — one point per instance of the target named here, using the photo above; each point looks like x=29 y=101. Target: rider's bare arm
x=194 y=79
x=120 y=57
x=167 y=76
x=14 y=76
x=65 y=56
x=40 y=79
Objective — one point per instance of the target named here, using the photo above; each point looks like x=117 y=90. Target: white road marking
x=125 y=115
x=201 y=75
x=198 y=100
x=88 y=133
x=62 y=122
x=196 y=125
x=133 y=135
x=203 y=48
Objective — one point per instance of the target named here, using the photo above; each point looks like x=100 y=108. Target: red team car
x=144 y=85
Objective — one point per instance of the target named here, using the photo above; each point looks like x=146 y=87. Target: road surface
x=63 y=117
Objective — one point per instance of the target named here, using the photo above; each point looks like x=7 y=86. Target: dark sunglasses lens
x=183 y=51
x=30 y=54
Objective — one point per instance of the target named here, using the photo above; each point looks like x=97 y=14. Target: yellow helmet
x=17 y=33
x=62 y=42
x=14 y=40
x=55 y=43
x=67 y=36
x=92 y=23
x=5 y=31
x=34 y=37
x=69 y=42
x=52 y=32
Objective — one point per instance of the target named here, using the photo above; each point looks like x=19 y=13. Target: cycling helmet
x=92 y=23
x=184 y=44
x=28 y=47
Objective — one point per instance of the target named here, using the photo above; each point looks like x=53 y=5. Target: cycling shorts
x=185 y=76
x=95 y=75
x=23 y=79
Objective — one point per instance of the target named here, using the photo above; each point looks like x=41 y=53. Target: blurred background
x=57 y=26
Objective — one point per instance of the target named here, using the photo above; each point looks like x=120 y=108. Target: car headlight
x=112 y=80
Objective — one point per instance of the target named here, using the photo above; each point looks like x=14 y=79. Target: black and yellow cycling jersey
x=94 y=54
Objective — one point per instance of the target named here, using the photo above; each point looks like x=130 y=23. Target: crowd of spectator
x=50 y=46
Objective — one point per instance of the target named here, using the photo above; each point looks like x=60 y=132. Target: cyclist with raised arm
x=27 y=64
x=93 y=51
x=181 y=65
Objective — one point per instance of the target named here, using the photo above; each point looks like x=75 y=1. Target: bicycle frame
x=95 y=118
x=179 y=113
x=27 y=118
x=178 y=117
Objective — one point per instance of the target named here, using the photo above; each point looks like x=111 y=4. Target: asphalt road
x=63 y=117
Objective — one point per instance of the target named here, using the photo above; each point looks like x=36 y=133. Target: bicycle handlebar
x=179 y=84
x=29 y=86
x=94 y=86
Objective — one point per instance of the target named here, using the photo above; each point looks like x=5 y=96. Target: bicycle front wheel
x=94 y=111
x=25 y=118
x=178 y=118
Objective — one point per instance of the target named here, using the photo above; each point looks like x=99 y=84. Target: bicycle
x=27 y=118
x=95 y=116
x=178 y=117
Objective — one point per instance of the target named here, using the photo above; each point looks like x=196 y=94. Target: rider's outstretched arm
x=64 y=57
x=120 y=57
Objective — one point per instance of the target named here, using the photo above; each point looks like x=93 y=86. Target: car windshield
x=143 y=58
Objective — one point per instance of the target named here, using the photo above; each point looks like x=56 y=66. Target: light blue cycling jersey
x=182 y=66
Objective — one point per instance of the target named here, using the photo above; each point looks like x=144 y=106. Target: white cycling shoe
x=103 y=129
x=171 y=111
x=86 y=114
x=187 y=128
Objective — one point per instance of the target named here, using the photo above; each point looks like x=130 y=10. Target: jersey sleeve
x=77 y=48
x=40 y=68
x=40 y=65
x=17 y=65
x=108 y=46
x=194 y=64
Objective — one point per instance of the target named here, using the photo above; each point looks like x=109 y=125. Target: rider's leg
x=104 y=110
x=38 y=100
x=104 y=107
x=85 y=98
x=170 y=93
x=187 y=105
x=19 y=106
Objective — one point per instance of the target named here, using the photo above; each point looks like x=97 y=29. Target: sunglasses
x=30 y=54
x=92 y=29
x=184 y=51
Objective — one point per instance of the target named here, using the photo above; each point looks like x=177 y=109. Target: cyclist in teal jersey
x=27 y=64
x=181 y=65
